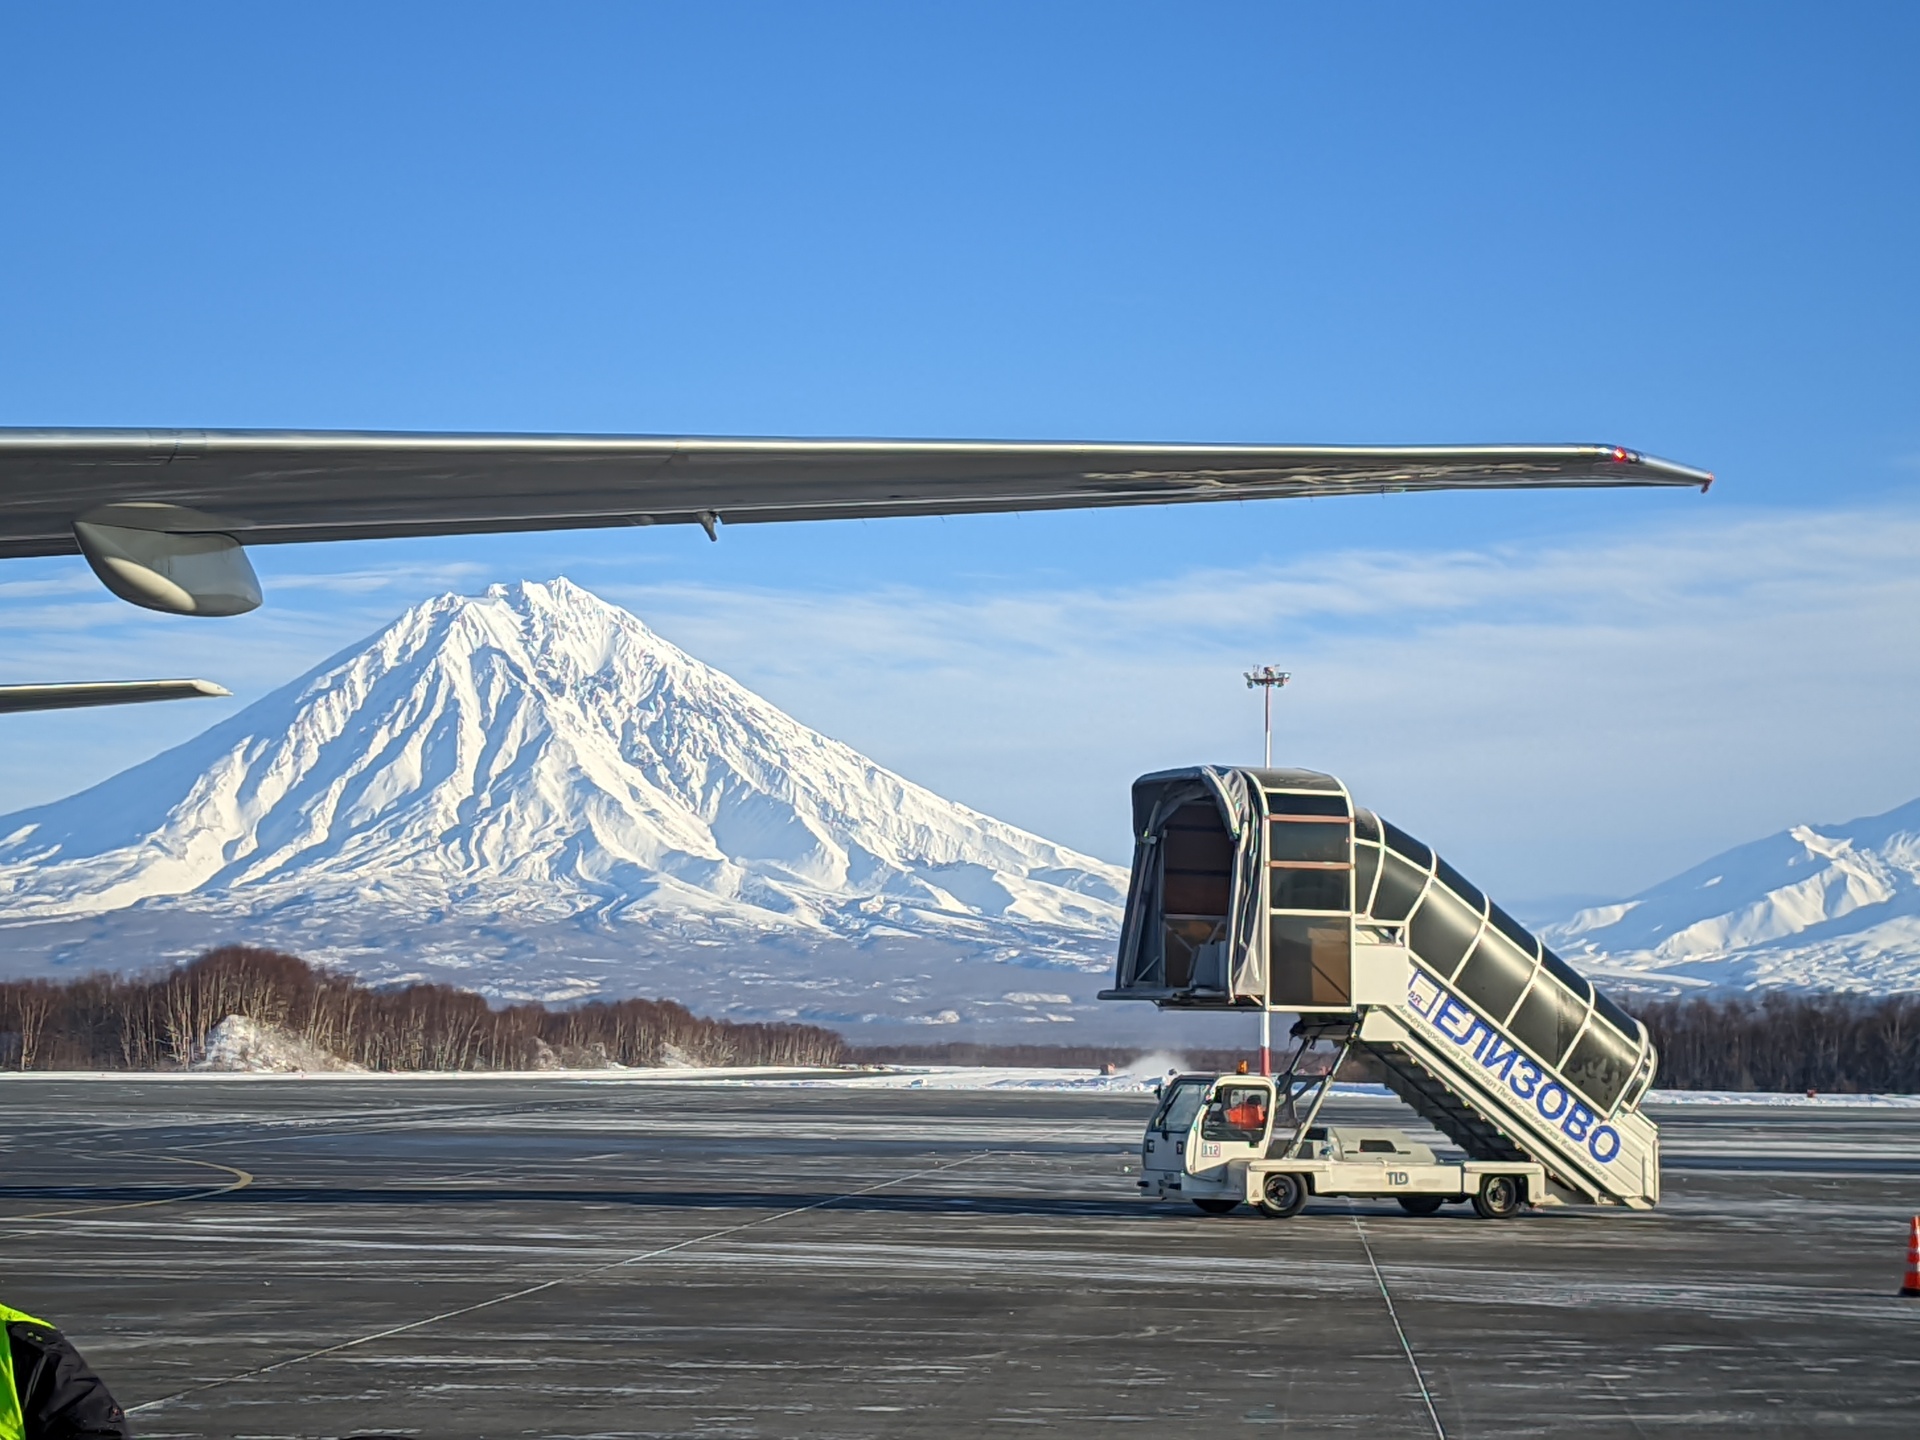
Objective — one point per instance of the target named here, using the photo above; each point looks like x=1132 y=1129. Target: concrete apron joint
x=1426 y=1396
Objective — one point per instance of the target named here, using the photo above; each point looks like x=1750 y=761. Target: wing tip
x=1680 y=474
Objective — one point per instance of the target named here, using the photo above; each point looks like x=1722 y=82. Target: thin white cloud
x=1577 y=719
x=74 y=581
x=411 y=580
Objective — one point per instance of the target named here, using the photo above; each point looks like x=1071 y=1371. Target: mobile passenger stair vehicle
x=1269 y=890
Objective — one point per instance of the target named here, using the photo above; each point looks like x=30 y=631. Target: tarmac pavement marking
x=240 y=1182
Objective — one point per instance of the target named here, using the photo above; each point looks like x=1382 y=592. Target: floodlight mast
x=1267 y=679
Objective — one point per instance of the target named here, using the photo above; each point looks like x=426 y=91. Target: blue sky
x=1686 y=229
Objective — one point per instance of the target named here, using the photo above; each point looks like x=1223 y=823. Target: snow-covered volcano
x=1827 y=907
x=533 y=788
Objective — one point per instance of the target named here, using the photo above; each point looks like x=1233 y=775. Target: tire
x=1499 y=1198
x=1216 y=1207
x=1282 y=1196
x=1422 y=1204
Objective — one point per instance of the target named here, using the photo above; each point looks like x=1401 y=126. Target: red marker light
x=1620 y=456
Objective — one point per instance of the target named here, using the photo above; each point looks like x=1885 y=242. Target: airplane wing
x=16 y=698
x=161 y=514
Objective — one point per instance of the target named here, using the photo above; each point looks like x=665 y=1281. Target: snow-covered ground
x=1769 y=1097
x=906 y=1077
x=929 y=1077
x=242 y=1045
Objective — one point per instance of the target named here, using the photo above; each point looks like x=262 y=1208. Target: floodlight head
x=1267 y=675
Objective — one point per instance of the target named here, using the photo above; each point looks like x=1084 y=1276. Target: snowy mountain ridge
x=1833 y=907
x=533 y=787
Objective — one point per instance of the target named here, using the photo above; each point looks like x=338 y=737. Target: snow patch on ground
x=1139 y=1079
x=1768 y=1097
x=239 y=1044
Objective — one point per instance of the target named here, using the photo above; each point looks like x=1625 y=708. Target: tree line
x=161 y=1021
x=1779 y=1041
x=1839 y=1043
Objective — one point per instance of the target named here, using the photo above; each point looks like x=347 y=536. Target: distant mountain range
x=1816 y=907
x=531 y=793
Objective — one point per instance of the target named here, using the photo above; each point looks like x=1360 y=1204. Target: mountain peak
x=535 y=755
x=1829 y=907
x=556 y=597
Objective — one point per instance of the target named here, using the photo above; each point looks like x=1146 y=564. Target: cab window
x=1237 y=1112
x=1178 y=1107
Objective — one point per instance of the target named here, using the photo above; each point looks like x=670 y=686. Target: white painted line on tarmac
x=240 y=1182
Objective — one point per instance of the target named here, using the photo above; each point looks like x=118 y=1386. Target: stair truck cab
x=1268 y=888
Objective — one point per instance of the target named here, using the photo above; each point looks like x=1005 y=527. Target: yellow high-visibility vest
x=13 y=1425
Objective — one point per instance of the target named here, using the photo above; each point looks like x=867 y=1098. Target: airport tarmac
x=541 y=1257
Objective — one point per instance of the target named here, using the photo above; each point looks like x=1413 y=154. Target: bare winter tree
x=108 y=1022
x=31 y=1004
x=1779 y=1042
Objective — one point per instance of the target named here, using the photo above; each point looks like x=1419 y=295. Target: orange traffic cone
x=1912 y=1284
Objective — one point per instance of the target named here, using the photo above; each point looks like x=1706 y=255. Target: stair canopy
x=1268 y=887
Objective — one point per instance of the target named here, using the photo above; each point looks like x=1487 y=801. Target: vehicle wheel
x=1283 y=1196
x=1422 y=1204
x=1216 y=1207
x=1498 y=1198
